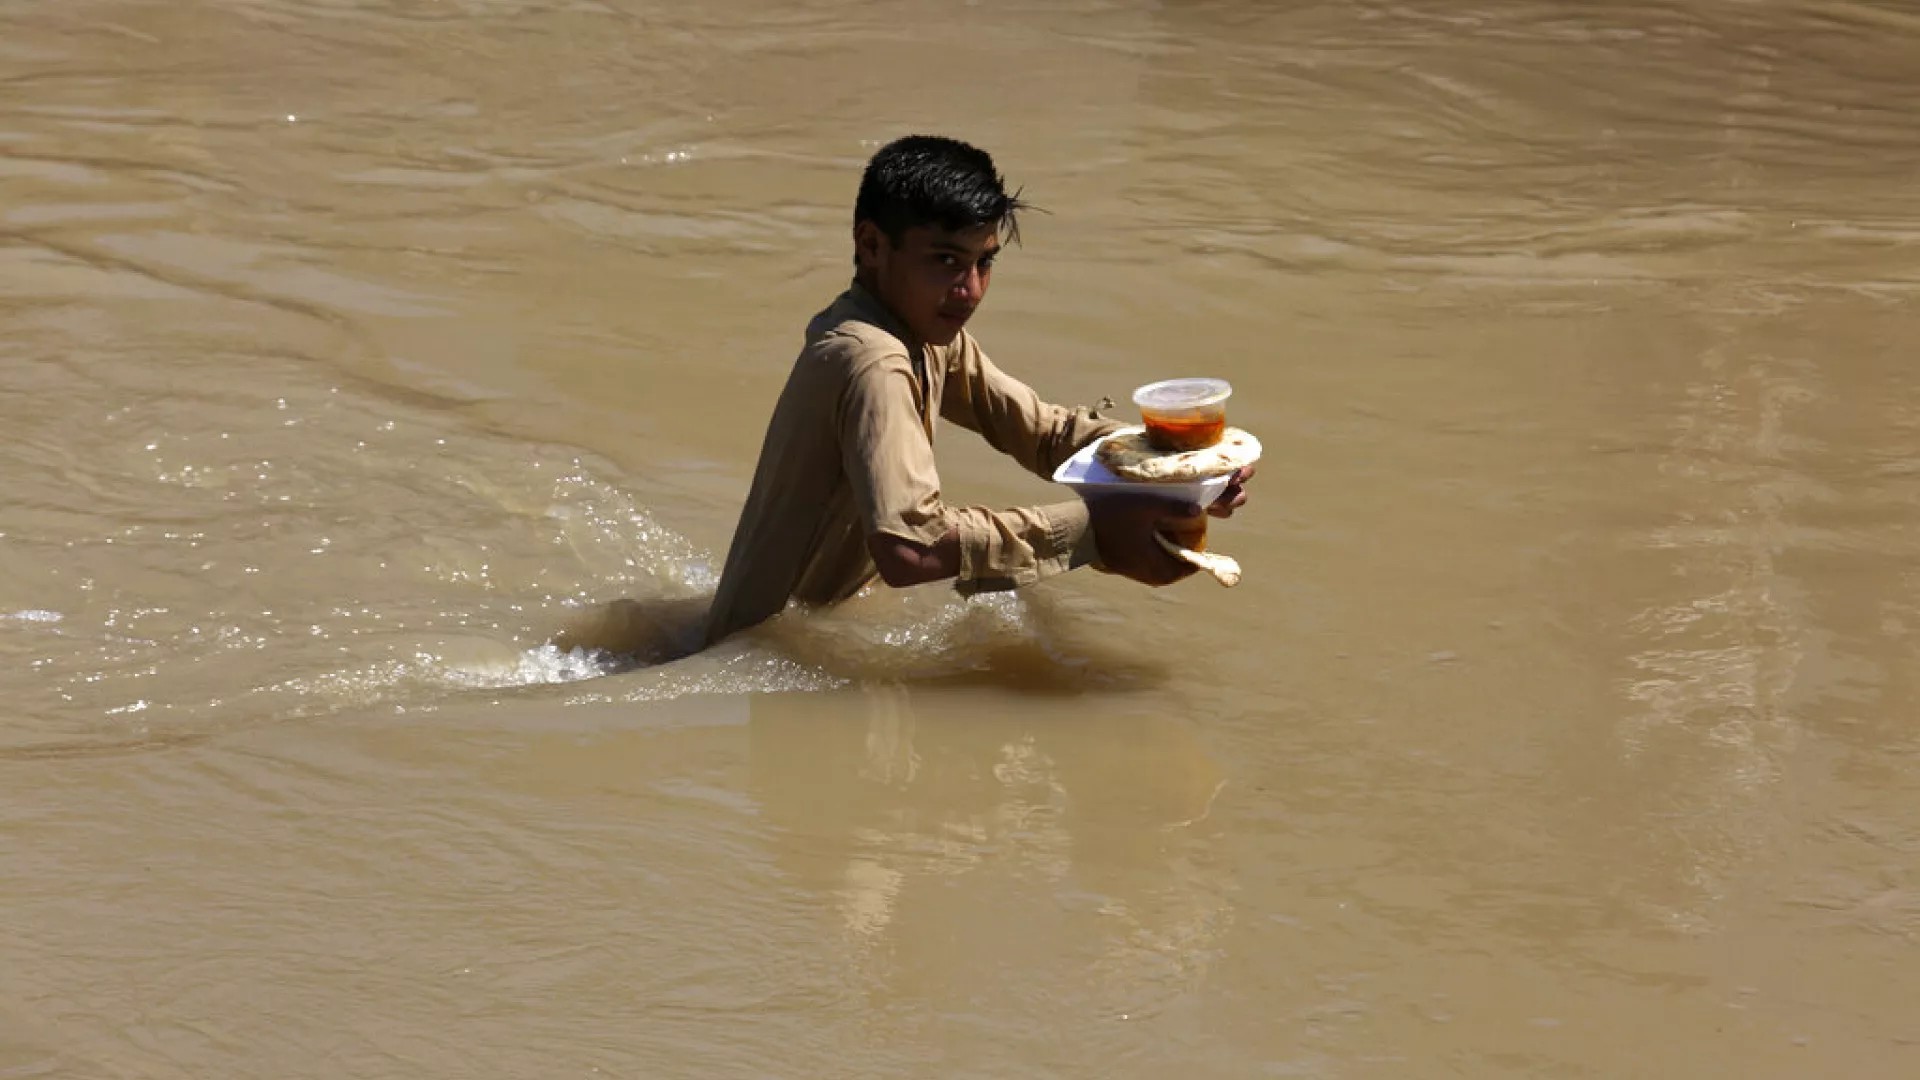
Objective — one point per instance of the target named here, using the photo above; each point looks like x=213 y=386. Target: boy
x=846 y=485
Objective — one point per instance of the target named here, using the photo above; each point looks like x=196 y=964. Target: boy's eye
x=986 y=264
x=948 y=260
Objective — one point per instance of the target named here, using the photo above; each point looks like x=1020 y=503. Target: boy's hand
x=1123 y=528
x=1235 y=496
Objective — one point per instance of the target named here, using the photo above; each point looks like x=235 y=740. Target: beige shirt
x=849 y=452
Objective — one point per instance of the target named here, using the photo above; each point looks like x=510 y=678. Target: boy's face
x=934 y=279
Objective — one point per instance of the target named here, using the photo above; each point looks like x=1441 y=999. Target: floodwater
x=364 y=363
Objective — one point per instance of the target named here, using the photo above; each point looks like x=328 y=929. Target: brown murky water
x=1564 y=725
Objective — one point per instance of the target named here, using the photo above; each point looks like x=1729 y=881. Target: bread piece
x=1224 y=568
x=1126 y=454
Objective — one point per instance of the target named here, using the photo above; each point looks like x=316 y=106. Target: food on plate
x=1128 y=455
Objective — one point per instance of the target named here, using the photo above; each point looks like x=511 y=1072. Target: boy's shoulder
x=846 y=332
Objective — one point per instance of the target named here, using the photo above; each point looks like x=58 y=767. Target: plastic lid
x=1182 y=394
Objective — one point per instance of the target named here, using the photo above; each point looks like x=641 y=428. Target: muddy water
x=352 y=354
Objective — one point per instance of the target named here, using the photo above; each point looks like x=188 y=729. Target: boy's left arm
x=1010 y=415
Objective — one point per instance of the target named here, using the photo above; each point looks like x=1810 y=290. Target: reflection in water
x=1032 y=641
x=896 y=817
x=1716 y=666
x=1717 y=663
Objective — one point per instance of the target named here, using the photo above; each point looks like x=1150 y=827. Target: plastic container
x=1184 y=414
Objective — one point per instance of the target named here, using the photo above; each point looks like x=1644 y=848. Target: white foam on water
x=424 y=681
x=618 y=539
x=33 y=615
x=543 y=666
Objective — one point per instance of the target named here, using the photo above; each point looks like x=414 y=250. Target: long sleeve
x=888 y=460
x=1010 y=415
x=1006 y=549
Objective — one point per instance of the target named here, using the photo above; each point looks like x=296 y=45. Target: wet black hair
x=934 y=180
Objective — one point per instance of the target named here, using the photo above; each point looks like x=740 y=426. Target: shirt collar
x=869 y=308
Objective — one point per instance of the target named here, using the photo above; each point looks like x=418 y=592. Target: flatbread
x=1126 y=454
x=1224 y=568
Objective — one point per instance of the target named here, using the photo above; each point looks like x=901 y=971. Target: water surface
x=353 y=354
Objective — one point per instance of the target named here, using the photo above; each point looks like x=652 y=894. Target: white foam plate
x=1084 y=473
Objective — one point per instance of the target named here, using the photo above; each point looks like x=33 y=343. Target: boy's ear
x=867 y=238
